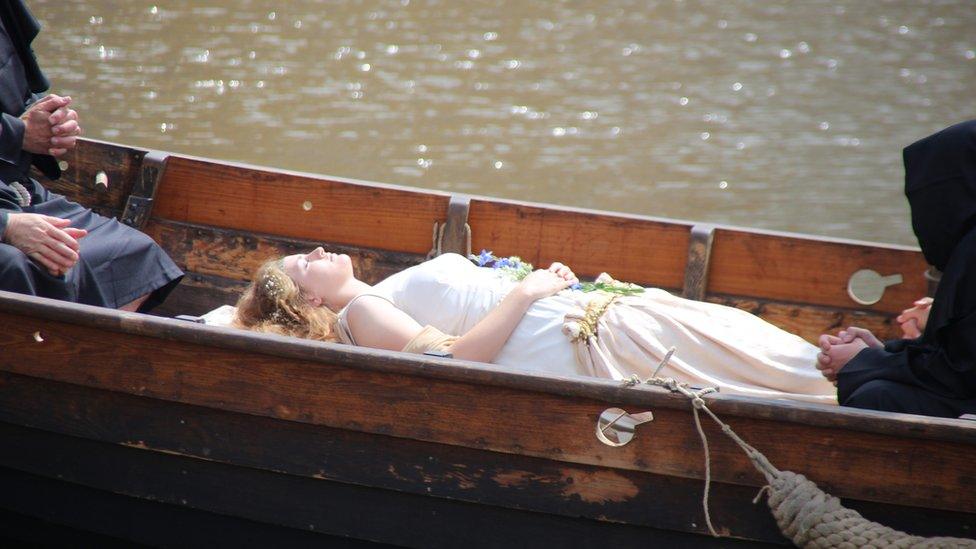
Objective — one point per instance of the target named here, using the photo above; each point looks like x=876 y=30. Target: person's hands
x=50 y=126
x=854 y=333
x=540 y=283
x=913 y=320
x=45 y=239
x=65 y=128
x=835 y=353
x=565 y=272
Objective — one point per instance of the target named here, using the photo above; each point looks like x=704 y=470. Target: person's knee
x=15 y=270
x=880 y=394
x=891 y=396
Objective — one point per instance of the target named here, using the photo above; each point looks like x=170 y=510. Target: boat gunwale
x=453 y=370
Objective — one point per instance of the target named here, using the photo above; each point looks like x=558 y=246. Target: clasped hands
x=837 y=351
x=50 y=127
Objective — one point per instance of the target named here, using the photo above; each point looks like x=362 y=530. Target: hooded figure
x=935 y=374
x=117 y=265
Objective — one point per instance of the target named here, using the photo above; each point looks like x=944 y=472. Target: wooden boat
x=156 y=430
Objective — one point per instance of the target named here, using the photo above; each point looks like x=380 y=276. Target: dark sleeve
x=946 y=368
x=899 y=345
x=11 y=138
x=951 y=362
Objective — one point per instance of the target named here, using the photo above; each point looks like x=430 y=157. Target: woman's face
x=319 y=274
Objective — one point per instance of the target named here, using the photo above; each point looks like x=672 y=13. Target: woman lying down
x=540 y=320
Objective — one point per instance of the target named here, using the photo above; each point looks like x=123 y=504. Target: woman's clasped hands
x=546 y=282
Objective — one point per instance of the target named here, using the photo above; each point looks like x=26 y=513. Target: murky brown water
x=744 y=112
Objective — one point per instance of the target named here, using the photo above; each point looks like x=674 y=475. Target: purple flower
x=502 y=263
x=576 y=286
x=485 y=257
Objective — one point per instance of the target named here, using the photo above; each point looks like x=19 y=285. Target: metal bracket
x=699 y=256
x=615 y=427
x=140 y=202
x=456 y=235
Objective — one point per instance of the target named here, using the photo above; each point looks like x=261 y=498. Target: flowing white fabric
x=717 y=345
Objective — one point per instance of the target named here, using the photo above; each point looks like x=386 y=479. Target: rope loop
x=805 y=514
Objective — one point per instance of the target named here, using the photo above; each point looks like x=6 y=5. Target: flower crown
x=273 y=285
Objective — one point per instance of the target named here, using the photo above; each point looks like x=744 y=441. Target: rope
x=805 y=514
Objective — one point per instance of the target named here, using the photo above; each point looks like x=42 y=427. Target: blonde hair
x=273 y=303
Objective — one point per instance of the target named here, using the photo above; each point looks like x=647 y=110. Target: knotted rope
x=805 y=514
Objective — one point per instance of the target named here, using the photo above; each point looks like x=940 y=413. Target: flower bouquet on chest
x=517 y=269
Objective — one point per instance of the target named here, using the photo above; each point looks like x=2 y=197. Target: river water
x=786 y=116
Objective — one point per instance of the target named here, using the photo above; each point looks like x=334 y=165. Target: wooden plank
x=809 y=322
x=310 y=504
x=745 y=263
x=633 y=249
x=236 y=255
x=199 y=294
x=45 y=512
x=219 y=262
x=410 y=466
x=436 y=470
x=465 y=413
x=274 y=202
x=900 y=425
x=120 y=163
x=808 y=270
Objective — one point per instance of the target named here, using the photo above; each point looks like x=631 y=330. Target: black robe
x=936 y=373
x=117 y=264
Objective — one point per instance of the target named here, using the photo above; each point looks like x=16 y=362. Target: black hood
x=940 y=183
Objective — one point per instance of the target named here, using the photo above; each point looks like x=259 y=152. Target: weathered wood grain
x=437 y=470
x=809 y=322
x=900 y=425
x=808 y=270
x=534 y=423
x=310 y=504
x=759 y=265
x=120 y=163
x=236 y=255
x=634 y=249
x=442 y=471
x=274 y=202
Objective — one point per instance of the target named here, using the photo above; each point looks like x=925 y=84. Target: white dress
x=716 y=345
